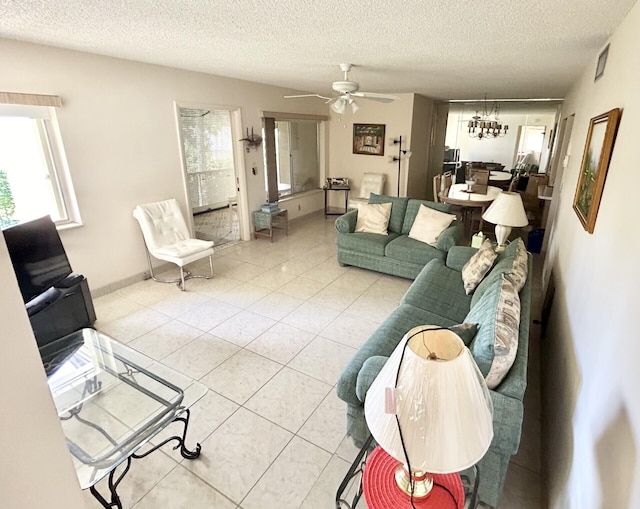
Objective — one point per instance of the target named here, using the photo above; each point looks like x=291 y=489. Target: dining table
x=470 y=201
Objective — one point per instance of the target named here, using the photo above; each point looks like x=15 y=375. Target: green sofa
x=437 y=297
x=394 y=253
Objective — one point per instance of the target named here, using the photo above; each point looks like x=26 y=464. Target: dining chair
x=530 y=198
x=436 y=188
x=167 y=238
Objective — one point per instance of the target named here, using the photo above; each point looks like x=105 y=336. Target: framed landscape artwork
x=368 y=139
x=595 y=163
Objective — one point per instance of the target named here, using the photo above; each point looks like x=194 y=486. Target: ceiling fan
x=348 y=90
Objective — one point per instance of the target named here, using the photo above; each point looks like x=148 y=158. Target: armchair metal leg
x=184 y=274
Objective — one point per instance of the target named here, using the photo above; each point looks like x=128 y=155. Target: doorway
x=208 y=150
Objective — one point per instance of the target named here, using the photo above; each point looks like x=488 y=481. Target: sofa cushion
x=373 y=365
x=496 y=343
x=413 y=206
x=429 y=224
x=478 y=266
x=398 y=209
x=369 y=243
x=373 y=218
x=382 y=342
x=439 y=289
x=413 y=251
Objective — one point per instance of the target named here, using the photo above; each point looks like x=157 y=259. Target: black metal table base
x=113 y=484
x=355 y=470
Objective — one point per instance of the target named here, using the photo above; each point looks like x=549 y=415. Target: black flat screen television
x=37 y=254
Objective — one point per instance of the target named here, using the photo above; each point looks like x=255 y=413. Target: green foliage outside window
x=7 y=204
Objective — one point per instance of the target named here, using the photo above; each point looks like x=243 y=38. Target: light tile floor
x=269 y=336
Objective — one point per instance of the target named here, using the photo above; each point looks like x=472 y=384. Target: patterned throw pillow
x=478 y=265
x=495 y=346
x=373 y=218
x=520 y=267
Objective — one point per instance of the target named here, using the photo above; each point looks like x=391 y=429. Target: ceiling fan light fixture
x=354 y=106
x=339 y=106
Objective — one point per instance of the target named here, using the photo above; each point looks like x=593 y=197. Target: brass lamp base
x=422 y=481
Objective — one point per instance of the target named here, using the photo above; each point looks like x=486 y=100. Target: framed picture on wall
x=602 y=62
x=595 y=163
x=368 y=139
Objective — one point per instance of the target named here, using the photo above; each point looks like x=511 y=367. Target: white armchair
x=371 y=183
x=167 y=238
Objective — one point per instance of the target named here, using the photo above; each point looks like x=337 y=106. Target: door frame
x=238 y=161
x=560 y=161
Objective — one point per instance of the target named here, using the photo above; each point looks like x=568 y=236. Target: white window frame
x=54 y=155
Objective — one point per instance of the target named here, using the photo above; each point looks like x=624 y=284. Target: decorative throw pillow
x=429 y=224
x=373 y=218
x=520 y=267
x=478 y=265
x=496 y=344
x=466 y=331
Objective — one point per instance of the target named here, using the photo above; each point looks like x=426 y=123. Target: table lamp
x=430 y=408
x=506 y=212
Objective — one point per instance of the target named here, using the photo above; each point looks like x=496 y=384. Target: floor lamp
x=402 y=154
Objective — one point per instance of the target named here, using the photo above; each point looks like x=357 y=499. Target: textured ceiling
x=445 y=49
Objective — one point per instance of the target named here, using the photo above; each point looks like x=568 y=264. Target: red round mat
x=382 y=492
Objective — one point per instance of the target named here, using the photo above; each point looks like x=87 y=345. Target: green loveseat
x=394 y=253
x=437 y=297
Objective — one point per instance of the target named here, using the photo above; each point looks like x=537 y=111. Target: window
x=207 y=142
x=34 y=179
x=530 y=141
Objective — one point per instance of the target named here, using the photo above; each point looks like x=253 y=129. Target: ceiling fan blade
x=383 y=98
x=307 y=95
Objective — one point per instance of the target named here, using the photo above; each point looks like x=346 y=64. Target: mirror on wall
x=530 y=124
x=292 y=151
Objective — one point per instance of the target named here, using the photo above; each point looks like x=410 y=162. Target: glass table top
x=110 y=399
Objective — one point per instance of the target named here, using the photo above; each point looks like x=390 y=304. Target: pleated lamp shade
x=443 y=405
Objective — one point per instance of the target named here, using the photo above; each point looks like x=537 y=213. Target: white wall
x=591 y=352
x=397 y=117
x=120 y=136
x=502 y=149
x=35 y=468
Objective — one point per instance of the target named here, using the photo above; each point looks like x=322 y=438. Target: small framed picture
x=602 y=62
x=368 y=139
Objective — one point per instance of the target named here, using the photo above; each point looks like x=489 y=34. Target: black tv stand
x=61 y=310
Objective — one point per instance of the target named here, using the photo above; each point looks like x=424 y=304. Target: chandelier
x=484 y=126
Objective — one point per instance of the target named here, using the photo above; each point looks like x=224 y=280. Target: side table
x=265 y=222
x=381 y=492
x=330 y=211
x=366 y=476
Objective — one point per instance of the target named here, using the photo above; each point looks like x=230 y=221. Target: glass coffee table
x=111 y=401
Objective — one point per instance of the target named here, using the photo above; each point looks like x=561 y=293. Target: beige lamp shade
x=442 y=404
x=507 y=210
